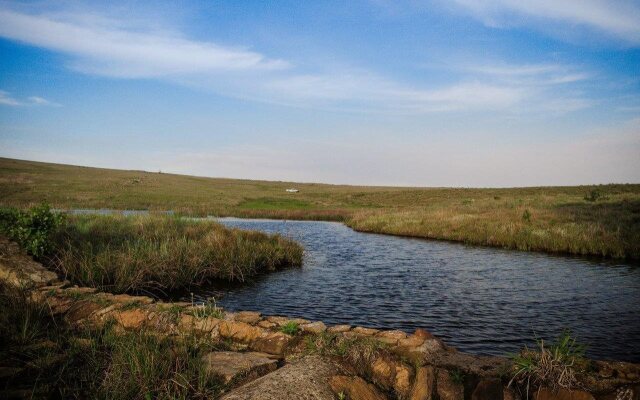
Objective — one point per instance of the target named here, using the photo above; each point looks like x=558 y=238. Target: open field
x=590 y=220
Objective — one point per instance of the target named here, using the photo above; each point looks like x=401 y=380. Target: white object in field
x=292 y=190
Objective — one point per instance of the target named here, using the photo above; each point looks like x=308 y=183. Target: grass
x=358 y=353
x=588 y=220
x=162 y=253
x=290 y=328
x=555 y=366
x=51 y=360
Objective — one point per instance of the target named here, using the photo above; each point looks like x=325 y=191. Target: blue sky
x=421 y=93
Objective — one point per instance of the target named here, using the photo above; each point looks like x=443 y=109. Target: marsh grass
x=51 y=360
x=163 y=253
x=600 y=220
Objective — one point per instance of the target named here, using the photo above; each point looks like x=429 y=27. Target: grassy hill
x=591 y=220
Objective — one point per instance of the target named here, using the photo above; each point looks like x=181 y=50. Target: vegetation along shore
x=587 y=220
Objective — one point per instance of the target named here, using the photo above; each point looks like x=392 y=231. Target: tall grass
x=163 y=253
x=49 y=359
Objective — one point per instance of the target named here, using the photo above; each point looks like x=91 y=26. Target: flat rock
x=238 y=367
x=355 y=388
x=272 y=343
x=248 y=317
x=314 y=327
x=338 y=328
x=305 y=379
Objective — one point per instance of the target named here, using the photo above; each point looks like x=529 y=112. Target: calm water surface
x=480 y=300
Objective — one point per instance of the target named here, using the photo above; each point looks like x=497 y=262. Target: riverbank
x=124 y=346
x=599 y=220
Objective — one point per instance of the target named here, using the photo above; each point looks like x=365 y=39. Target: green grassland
x=590 y=220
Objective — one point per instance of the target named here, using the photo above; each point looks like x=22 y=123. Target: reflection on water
x=480 y=300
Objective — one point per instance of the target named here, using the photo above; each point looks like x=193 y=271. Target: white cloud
x=7 y=100
x=114 y=51
x=617 y=18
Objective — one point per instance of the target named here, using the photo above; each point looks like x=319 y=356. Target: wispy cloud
x=7 y=99
x=122 y=49
x=617 y=18
x=114 y=51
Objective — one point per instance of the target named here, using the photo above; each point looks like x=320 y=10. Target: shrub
x=526 y=216
x=32 y=229
x=593 y=195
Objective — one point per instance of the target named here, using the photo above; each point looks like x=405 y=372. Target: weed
x=207 y=309
x=526 y=216
x=457 y=376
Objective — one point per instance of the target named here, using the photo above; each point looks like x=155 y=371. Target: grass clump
x=51 y=360
x=290 y=328
x=163 y=253
x=359 y=353
x=208 y=308
x=556 y=365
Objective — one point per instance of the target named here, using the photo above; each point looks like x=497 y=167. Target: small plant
x=526 y=216
x=32 y=229
x=342 y=396
x=290 y=328
x=555 y=365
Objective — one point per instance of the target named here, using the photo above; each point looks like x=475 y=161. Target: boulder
x=305 y=379
x=130 y=319
x=248 y=317
x=361 y=331
x=238 y=367
x=447 y=387
x=266 y=324
x=391 y=337
x=338 y=328
x=424 y=384
x=314 y=327
x=355 y=388
x=488 y=389
x=239 y=331
x=545 y=393
x=279 y=321
x=272 y=343
x=81 y=310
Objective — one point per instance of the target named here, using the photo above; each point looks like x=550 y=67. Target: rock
x=391 y=374
x=314 y=327
x=488 y=389
x=509 y=394
x=266 y=324
x=130 y=319
x=248 y=317
x=127 y=299
x=338 y=328
x=81 y=310
x=305 y=379
x=391 y=337
x=411 y=341
x=272 y=343
x=447 y=388
x=545 y=393
x=189 y=323
x=355 y=388
x=238 y=367
x=359 y=330
x=279 y=321
x=424 y=334
x=299 y=321
x=239 y=331
x=402 y=382
x=424 y=384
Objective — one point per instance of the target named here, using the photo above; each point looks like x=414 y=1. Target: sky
x=471 y=93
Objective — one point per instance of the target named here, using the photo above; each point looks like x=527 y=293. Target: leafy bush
x=32 y=229
x=593 y=196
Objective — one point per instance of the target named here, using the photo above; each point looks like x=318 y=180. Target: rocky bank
x=263 y=362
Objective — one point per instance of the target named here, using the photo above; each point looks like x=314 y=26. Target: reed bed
x=163 y=253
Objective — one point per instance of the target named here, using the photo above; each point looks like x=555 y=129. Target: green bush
x=33 y=229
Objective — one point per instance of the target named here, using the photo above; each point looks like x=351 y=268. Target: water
x=480 y=300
